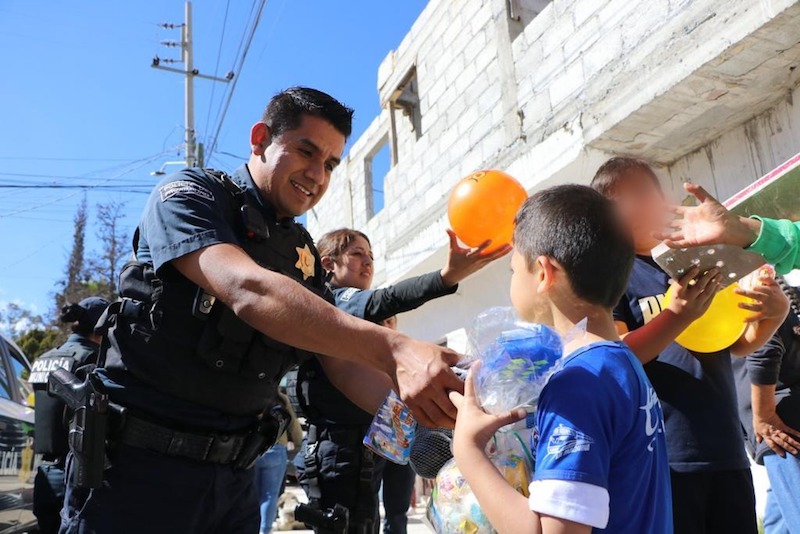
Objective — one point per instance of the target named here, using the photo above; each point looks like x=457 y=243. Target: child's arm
x=771 y=307
x=689 y=302
x=414 y=292
x=507 y=510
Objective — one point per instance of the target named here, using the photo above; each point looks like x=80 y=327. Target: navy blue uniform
x=712 y=487
x=50 y=432
x=193 y=377
x=348 y=473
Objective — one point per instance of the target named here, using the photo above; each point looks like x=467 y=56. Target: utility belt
x=96 y=422
x=239 y=450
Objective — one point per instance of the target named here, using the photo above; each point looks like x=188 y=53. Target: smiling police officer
x=227 y=293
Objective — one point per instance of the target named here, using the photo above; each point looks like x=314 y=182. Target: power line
x=141 y=163
x=216 y=65
x=237 y=75
x=40 y=158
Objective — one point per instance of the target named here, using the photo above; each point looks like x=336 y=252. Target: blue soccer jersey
x=601 y=456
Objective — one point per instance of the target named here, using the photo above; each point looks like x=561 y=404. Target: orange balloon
x=483 y=206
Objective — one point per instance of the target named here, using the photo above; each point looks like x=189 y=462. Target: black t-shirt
x=697 y=391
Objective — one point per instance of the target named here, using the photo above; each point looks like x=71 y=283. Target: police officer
x=337 y=468
x=81 y=348
x=226 y=294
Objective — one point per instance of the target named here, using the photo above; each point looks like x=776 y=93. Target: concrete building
x=547 y=91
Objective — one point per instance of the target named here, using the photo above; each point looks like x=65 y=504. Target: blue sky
x=80 y=104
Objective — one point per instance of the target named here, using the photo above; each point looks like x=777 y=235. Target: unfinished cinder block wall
x=547 y=91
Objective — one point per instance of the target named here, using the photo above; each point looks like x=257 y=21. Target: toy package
x=392 y=430
x=517 y=360
x=453 y=508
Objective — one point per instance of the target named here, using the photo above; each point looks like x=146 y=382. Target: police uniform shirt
x=187 y=211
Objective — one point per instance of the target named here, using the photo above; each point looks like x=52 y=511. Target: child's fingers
x=457 y=399
x=469 y=386
x=706 y=282
x=688 y=276
x=512 y=417
x=752 y=306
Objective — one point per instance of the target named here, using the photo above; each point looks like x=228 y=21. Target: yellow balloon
x=721 y=325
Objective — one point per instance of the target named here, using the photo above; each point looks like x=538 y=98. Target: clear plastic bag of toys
x=453 y=508
x=517 y=359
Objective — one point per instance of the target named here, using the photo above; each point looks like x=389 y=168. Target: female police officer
x=223 y=298
x=338 y=468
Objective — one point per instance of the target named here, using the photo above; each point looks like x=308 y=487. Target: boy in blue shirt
x=601 y=457
x=712 y=487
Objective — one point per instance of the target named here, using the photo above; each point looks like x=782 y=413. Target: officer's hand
x=424 y=379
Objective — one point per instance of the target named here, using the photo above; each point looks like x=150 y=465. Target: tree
x=75 y=285
x=105 y=266
x=37 y=341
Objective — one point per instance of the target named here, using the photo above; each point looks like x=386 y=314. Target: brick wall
x=703 y=88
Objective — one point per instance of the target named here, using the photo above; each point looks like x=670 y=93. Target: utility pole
x=194 y=153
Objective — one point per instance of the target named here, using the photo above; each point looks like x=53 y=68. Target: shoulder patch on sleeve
x=565 y=440
x=348 y=293
x=184 y=187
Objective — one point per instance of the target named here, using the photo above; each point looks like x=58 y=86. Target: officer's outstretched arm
x=284 y=310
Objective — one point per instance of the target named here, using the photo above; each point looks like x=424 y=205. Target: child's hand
x=691 y=300
x=769 y=301
x=462 y=262
x=709 y=223
x=474 y=427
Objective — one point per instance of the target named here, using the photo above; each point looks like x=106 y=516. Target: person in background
x=601 y=455
x=710 y=223
x=270 y=468
x=712 y=487
x=769 y=406
x=81 y=348
x=398 y=485
x=338 y=469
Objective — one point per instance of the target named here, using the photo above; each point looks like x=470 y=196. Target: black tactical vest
x=184 y=342
x=50 y=431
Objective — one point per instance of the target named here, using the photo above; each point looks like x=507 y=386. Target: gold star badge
x=305 y=261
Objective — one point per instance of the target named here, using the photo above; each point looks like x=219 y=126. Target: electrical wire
x=138 y=165
x=237 y=75
x=216 y=65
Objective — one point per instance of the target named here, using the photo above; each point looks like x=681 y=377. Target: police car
x=17 y=460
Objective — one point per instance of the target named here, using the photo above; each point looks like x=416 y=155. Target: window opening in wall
x=522 y=12
x=377 y=164
x=406 y=99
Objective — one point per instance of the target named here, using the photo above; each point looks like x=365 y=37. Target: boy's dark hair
x=578 y=227
x=286 y=109
x=613 y=171
x=335 y=242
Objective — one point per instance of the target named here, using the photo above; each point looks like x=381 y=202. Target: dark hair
x=613 y=171
x=286 y=109
x=578 y=227
x=335 y=242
